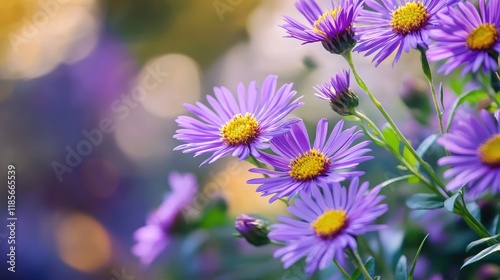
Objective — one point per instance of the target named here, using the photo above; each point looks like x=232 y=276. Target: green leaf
x=413 y=179
x=370 y=267
x=471 y=96
x=495 y=80
x=426 y=144
x=494 y=225
x=395 y=180
x=474 y=210
x=425 y=64
x=484 y=253
x=410 y=158
x=414 y=264
x=449 y=204
x=457 y=83
x=441 y=95
x=351 y=118
x=214 y=214
x=401 y=272
x=425 y=201
x=391 y=138
x=480 y=241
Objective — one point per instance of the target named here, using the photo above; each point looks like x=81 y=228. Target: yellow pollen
x=329 y=223
x=482 y=38
x=323 y=17
x=409 y=18
x=489 y=151
x=240 y=130
x=308 y=166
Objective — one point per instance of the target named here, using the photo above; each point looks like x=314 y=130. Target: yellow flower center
x=489 y=151
x=482 y=38
x=409 y=18
x=240 y=130
x=323 y=17
x=330 y=223
x=309 y=165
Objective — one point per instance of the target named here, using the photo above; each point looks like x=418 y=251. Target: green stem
x=284 y=200
x=425 y=165
x=474 y=224
x=471 y=220
x=385 y=270
x=344 y=273
x=463 y=211
x=428 y=74
x=276 y=243
x=256 y=162
x=397 y=155
x=356 y=259
x=491 y=91
x=369 y=134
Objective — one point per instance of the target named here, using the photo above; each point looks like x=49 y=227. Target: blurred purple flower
x=468 y=37
x=474 y=144
x=330 y=218
x=300 y=166
x=239 y=127
x=154 y=237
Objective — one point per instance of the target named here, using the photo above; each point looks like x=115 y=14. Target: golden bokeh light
x=82 y=242
x=39 y=35
x=231 y=179
x=181 y=84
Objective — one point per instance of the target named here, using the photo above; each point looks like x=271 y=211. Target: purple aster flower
x=468 y=37
x=333 y=28
x=342 y=99
x=238 y=127
x=390 y=26
x=329 y=219
x=474 y=144
x=154 y=237
x=300 y=166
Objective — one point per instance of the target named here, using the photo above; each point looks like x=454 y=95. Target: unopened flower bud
x=254 y=230
x=341 y=43
x=342 y=99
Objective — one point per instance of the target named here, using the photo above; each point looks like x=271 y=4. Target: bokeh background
x=68 y=68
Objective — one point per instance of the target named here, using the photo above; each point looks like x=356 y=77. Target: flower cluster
x=255 y=126
x=292 y=166
x=450 y=30
x=318 y=178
